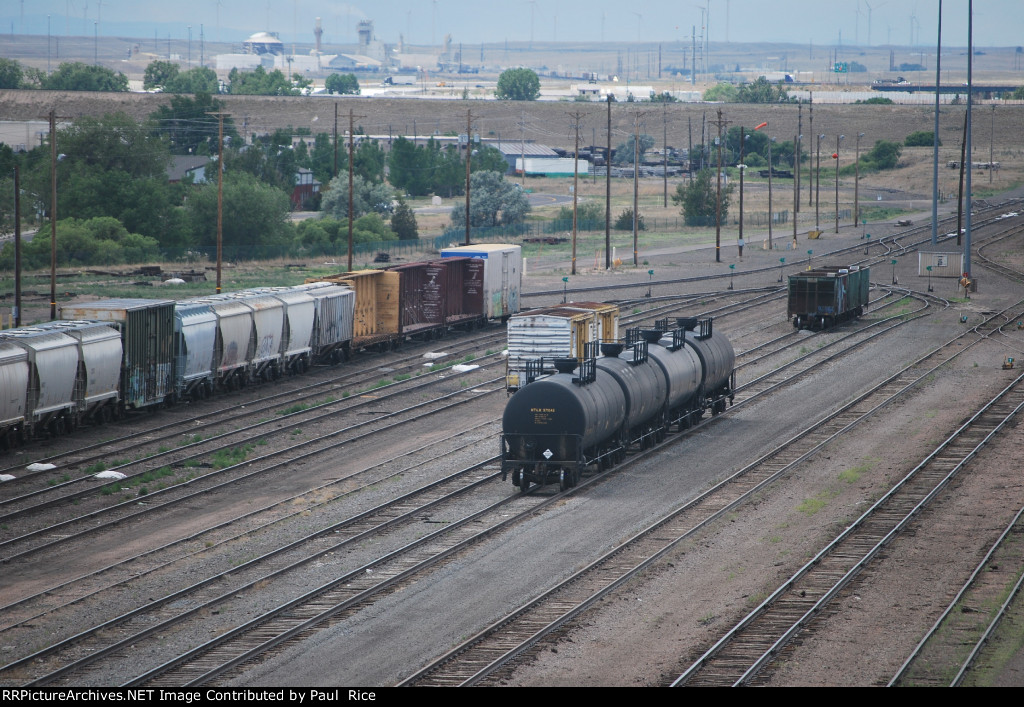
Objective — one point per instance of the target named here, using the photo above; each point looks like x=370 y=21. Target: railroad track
x=155 y=615
x=486 y=657
x=954 y=643
x=739 y=656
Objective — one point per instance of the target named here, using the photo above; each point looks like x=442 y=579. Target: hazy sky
x=901 y=22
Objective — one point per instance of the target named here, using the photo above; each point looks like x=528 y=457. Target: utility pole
x=17 y=246
x=664 y=139
x=52 y=116
x=637 y=115
x=577 y=119
x=797 y=159
x=220 y=193
x=817 y=187
x=721 y=123
x=796 y=195
x=351 y=193
x=742 y=168
x=608 y=192
x=469 y=154
x=935 y=133
x=838 y=140
x=810 y=130
x=856 y=184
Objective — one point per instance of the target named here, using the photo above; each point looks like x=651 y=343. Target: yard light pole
x=817 y=187
x=856 y=184
x=839 y=138
x=771 y=168
x=742 y=168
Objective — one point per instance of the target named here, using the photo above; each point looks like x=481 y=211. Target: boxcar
x=822 y=298
x=464 y=285
x=503 y=274
x=147 y=338
x=377 y=320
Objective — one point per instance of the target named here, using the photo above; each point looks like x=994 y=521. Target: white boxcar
x=195 y=339
x=99 y=354
x=13 y=391
x=549 y=333
x=503 y=275
x=53 y=366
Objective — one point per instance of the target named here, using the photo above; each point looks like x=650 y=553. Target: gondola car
x=822 y=298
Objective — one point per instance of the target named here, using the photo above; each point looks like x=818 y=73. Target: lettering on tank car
x=542 y=416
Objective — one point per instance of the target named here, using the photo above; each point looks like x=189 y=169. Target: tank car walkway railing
x=738 y=657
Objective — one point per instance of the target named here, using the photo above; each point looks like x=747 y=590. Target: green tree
x=518 y=85
x=663 y=97
x=697 y=200
x=488 y=159
x=342 y=83
x=188 y=125
x=367 y=197
x=921 y=138
x=589 y=212
x=158 y=74
x=96 y=241
x=368 y=161
x=403 y=222
x=111 y=167
x=876 y=101
x=884 y=155
x=624 y=221
x=10 y=73
x=624 y=152
x=722 y=93
x=255 y=215
x=756 y=144
x=259 y=82
x=760 y=91
x=76 y=76
x=201 y=79
x=493 y=202
x=270 y=158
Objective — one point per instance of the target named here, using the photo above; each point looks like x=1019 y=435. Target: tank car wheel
x=516 y=476
x=563 y=483
x=58 y=426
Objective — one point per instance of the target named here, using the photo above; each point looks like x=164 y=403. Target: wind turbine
x=880 y=4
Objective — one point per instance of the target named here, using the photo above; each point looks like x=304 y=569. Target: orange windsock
x=762 y=125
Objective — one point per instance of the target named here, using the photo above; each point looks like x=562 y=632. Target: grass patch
x=810 y=506
x=229 y=457
x=853 y=474
x=95 y=468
